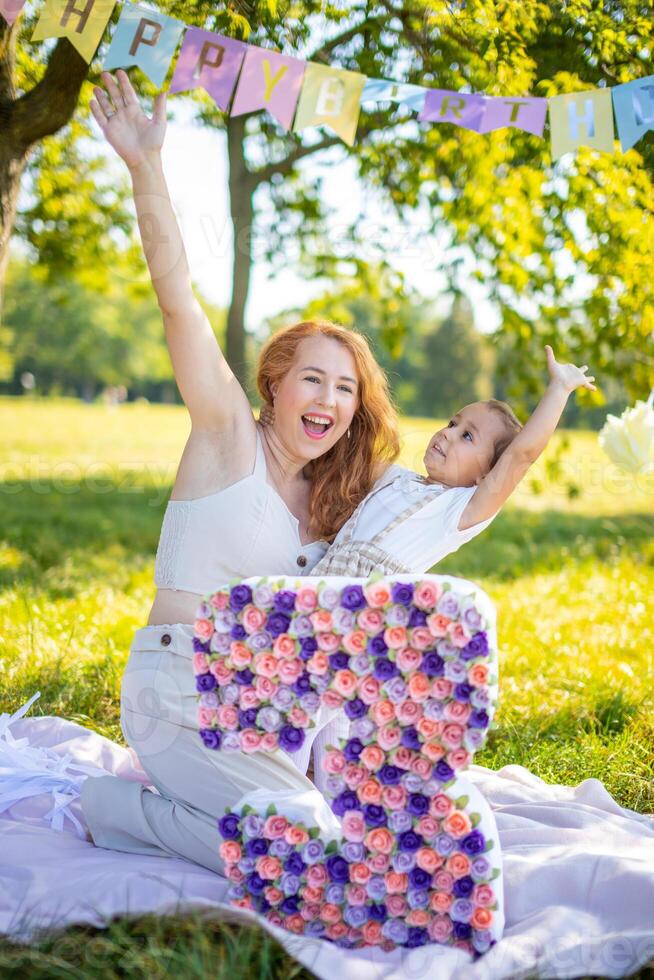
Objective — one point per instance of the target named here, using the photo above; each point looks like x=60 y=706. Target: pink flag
x=209 y=61
x=10 y=9
x=271 y=81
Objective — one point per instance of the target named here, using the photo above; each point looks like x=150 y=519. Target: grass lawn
x=83 y=490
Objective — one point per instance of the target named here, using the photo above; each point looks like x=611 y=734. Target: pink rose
x=200 y=663
x=370 y=620
x=203 y=629
x=275 y=826
x=388 y=736
x=380 y=839
x=394 y=797
x=252 y=619
x=419 y=686
x=372 y=933
x=440 y=805
x=321 y=620
x=478 y=675
x=248 y=698
x=273 y=895
x=337 y=931
x=269 y=867
x=438 y=624
x=232 y=873
x=360 y=873
x=207 y=717
x=306 y=599
x=458 y=634
x=382 y=712
x=426 y=595
x=377 y=594
x=354 y=775
x=408 y=712
x=421 y=638
x=317 y=875
x=428 y=827
x=397 y=882
x=250 y=740
x=396 y=905
x=332 y=699
x=219 y=600
x=418 y=917
x=330 y=913
x=354 y=826
x=265 y=664
x=433 y=751
x=458 y=864
x=483 y=895
x=284 y=646
x=443 y=881
x=457 y=711
x=371 y=790
x=408 y=659
x=268 y=742
x=452 y=736
x=328 y=642
x=298 y=717
x=312 y=895
x=403 y=757
x=227 y=717
x=345 y=682
x=457 y=824
x=378 y=863
x=368 y=689
x=334 y=761
x=421 y=767
x=230 y=851
x=372 y=757
x=440 y=928
x=430 y=729
x=441 y=688
x=221 y=671
x=264 y=687
x=356 y=895
x=395 y=637
x=290 y=670
x=458 y=758
x=239 y=654
x=355 y=642
x=318 y=664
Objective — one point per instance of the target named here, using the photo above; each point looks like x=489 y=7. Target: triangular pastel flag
x=10 y=9
x=269 y=80
x=208 y=61
x=524 y=113
x=330 y=97
x=383 y=90
x=581 y=119
x=83 y=23
x=442 y=105
x=633 y=103
x=145 y=38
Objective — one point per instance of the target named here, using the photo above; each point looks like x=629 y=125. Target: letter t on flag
x=145 y=38
x=330 y=97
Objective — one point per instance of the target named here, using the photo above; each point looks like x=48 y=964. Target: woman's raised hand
x=569 y=376
x=134 y=136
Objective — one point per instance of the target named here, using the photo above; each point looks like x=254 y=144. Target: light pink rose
x=290 y=670
x=200 y=663
x=370 y=620
x=458 y=758
x=252 y=619
x=458 y=634
x=394 y=797
x=203 y=629
x=275 y=826
x=408 y=712
x=355 y=642
x=452 y=736
x=221 y=671
x=249 y=698
x=317 y=875
x=382 y=712
x=440 y=805
x=426 y=595
x=321 y=620
x=356 y=894
x=419 y=686
x=268 y=742
x=378 y=863
x=332 y=699
x=403 y=757
x=328 y=642
x=440 y=928
x=438 y=624
x=421 y=767
x=264 y=687
x=240 y=655
x=219 y=600
x=441 y=688
x=396 y=905
x=483 y=895
x=408 y=659
x=421 y=638
x=250 y=740
x=345 y=682
x=354 y=775
x=265 y=664
x=457 y=711
x=428 y=827
x=227 y=717
x=334 y=761
x=298 y=717
x=389 y=737
x=318 y=664
x=443 y=881
x=207 y=717
x=377 y=594
x=369 y=689
x=395 y=637
x=306 y=599
x=354 y=826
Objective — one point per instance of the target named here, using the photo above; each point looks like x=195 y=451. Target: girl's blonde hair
x=511 y=425
x=342 y=477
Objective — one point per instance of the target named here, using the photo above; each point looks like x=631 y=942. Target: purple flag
x=520 y=113
x=442 y=105
x=271 y=81
x=209 y=61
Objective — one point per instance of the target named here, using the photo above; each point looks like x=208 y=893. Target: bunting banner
x=298 y=94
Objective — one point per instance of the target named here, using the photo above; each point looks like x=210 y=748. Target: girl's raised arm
x=207 y=384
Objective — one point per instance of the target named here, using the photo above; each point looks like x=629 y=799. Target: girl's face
x=460 y=454
x=317 y=398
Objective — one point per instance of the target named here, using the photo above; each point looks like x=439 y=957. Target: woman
x=246 y=500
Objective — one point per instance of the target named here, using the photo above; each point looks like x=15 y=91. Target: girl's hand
x=568 y=376
x=134 y=136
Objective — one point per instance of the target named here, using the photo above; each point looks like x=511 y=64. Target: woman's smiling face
x=460 y=454
x=317 y=398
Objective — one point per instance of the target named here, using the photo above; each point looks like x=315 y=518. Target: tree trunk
x=241 y=190
x=11 y=169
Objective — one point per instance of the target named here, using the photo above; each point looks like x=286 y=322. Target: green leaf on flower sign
x=495 y=874
x=313 y=832
x=246 y=809
x=475 y=819
x=490 y=844
x=272 y=809
x=375 y=577
x=461 y=801
x=332 y=847
x=447 y=587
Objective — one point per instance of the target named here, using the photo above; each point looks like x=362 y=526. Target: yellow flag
x=330 y=97
x=83 y=22
x=581 y=119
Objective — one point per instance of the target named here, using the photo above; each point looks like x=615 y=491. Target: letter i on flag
x=330 y=97
x=144 y=38
x=208 y=61
x=271 y=81
x=83 y=22
x=10 y=9
x=581 y=119
x=634 y=109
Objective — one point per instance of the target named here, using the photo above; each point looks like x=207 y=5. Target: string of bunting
x=299 y=94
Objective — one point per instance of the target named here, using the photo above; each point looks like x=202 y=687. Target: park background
x=459 y=255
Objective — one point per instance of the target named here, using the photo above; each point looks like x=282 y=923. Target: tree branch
x=320 y=54
x=284 y=166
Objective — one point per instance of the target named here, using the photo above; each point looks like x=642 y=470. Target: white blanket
x=579 y=877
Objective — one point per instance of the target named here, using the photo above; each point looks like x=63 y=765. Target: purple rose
x=363 y=727
x=462 y=887
x=376 y=887
x=389 y=775
x=403 y=861
x=228 y=826
x=433 y=709
x=284 y=601
x=417 y=937
x=461 y=930
x=278 y=623
x=360 y=664
x=255 y=884
x=480 y=868
x=199 y=646
x=352 y=598
x=220 y=643
x=211 y=738
x=269 y=719
x=477 y=646
x=480 y=941
x=314 y=928
x=290 y=738
x=239 y=597
x=402 y=592
x=444 y=845
x=231 y=741
x=335 y=894
x=247 y=864
x=261 y=640
x=442 y=772
x=337 y=868
x=353 y=851
x=377 y=912
x=463 y=691
x=433 y=665
x=374 y=815
x=290 y=905
x=447 y=650
x=282 y=698
x=480 y=697
x=205 y=682
x=342 y=621
x=473 y=844
x=262 y=596
x=397 y=616
x=384 y=669
x=473 y=739
x=229 y=694
x=252 y=825
x=355 y=915
x=355 y=708
x=294 y=863
x=409 y=840
x=395 y=688
x=256 y=847
x=377 y=645
x=302 y=685
x=471 y=618
x=310 y=702
x=448 y=605
x=313 y=851
x=417 y=898
x=223 y=620
x=412 y=782
x=479 y=719
x=328 y=597
x=237 y=632
x=347 y=800
x=353 y=749
x=417 y=804
x=209 y=700
x=301 y=626
x=396 y=930
x=417 y=618
x=455 y=671
x=289 y=883
x=419 y=878
x=461 y=910
x=334 y=785
x=339 y=660
x=247 y=717
x=244 y=677
x=279 y=848
x=399 y=820
x=410 y=738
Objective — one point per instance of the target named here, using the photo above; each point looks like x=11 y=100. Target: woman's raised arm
x=207 y=384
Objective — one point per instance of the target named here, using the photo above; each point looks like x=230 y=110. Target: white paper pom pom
x=628 y=441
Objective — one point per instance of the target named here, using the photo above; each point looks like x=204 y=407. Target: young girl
x=408 y=522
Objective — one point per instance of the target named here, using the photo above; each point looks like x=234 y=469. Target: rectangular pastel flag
x=145 y=38
x=330 y=97
x=10 y=9
x=269 y=80
x=208 y=61
x=634 y=109
x=442 y=105
x=524 y=113
x=581 y=119
x=383 y=90
x=83 y=22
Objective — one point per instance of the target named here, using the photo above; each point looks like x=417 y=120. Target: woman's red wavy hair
x=343 y=476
